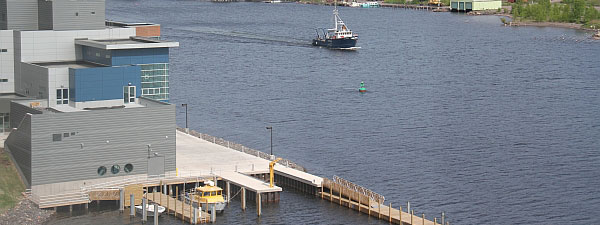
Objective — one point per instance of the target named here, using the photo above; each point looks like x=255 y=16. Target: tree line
x=569 y=11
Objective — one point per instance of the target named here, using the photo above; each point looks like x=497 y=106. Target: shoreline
x=26 y=212
x=490 y=13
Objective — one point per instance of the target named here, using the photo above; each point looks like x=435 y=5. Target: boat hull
x=342 y=43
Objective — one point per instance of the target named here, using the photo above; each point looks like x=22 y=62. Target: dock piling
x=243 y=198
x=400 y=215
x=228 y=186
x=131 y=205
x=423 y=217
x=412 y=214
x=144 y=210
x=195 y=215
x=378 y=209
x=258 y=204
x=121 y=200
x=390 y=215
x=176 y=197
x=155 y=214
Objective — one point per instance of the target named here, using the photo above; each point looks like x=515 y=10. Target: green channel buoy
x=362 y=87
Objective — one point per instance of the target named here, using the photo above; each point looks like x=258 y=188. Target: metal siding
x=45 y=15
x=76 y=14
x=22 y=14
x=128 y=132
x=19 y=141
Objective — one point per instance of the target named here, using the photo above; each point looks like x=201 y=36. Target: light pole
x=187 y=129
x=271 y=129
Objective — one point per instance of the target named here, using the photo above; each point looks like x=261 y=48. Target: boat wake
x=237 y=35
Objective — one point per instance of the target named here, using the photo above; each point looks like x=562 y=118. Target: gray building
x=83 y=103
x=52 y=14
x=57 y=151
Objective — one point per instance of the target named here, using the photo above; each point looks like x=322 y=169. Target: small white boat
x=149 y=209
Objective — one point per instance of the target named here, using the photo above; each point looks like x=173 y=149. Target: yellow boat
x=211 y=195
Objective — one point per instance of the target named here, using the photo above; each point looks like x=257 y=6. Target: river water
x=491 y=124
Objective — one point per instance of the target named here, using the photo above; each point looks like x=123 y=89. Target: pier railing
x=241 y=148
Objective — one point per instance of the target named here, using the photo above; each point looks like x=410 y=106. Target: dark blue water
x=491 y=124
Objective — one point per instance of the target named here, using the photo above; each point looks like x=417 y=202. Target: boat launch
x=340 y=37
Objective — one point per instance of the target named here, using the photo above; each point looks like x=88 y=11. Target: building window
x=101 y=170
x=3 y=50
x=128 y=168
x=129 y=94
x=115 y=169
x=56 y=137
x=4 y=122
x=66 y=134
x=93 y=13
x=76 y=14
x=3 y=80
x=155 y=81
x=62 y=96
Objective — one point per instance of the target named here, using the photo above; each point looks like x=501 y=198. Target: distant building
x=89 y=97
x=474 y=5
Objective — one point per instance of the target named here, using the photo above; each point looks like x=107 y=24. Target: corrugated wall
x=78 y=14
x=101 y=138
x=18 y=142
x=22 y=14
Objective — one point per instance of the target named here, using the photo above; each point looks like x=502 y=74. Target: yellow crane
x=271 y=175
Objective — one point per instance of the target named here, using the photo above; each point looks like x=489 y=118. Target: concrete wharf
x=243 y=174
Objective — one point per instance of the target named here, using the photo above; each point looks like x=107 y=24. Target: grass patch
x=10 y=183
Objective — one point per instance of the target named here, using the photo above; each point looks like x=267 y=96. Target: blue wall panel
x=103 y=83
x=139 y=56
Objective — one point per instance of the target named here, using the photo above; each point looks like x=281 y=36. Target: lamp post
x=271 y=129
x=187 y=129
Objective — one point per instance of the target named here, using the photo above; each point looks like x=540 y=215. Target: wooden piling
x=434 y=220
x=176 y=197
x=423 y=218
x=412 y=214
x=258 y=204
x=321 y=191
x=340 y=194
x=160 y=190
x=400 y=215
x=390 y=215
x=191 y=207
x=378 y=209
x=331 y=192
x=369 y=207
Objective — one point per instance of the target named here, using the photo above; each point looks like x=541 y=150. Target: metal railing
x=241 y=148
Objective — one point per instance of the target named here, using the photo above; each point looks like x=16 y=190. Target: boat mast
x=335 y=15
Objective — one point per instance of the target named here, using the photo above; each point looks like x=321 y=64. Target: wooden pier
x=179 y=209
x=346 y=197
x=432 y=8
